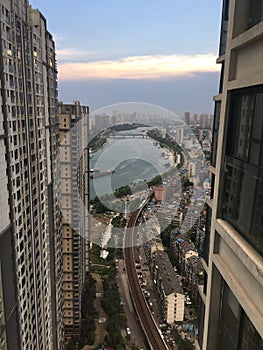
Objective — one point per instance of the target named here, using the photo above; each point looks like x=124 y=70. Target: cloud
x=71 y=55
x=139 y=67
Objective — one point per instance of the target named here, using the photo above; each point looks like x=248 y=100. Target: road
x=152 y=333
x=137 y=335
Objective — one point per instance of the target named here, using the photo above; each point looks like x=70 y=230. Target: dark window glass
x=243 y=184
x=236 y=332
x=224 y=27
x=201 y=322
x=206 y=243
x=240 y=123
x=221 y=83
x=215 y=132
x=249 y=337
x=256 y=152
x=212 y=186
x=229 y=321
x=243 y=200
x=255 y=12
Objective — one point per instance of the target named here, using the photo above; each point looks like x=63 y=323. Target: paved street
x=137 y=335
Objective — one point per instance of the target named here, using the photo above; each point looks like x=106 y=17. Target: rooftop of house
x=166 y=273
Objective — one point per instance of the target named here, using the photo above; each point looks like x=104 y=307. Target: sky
x=153 y=51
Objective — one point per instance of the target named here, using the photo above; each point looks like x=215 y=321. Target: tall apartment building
x=195 y=120
x=187 y=118
x=231 y=311
x=30 y=234
x=74 y=157
x=204 y=121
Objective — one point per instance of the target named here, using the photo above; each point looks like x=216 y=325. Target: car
x=128 y=331
x=144 y=284
x=147 y=294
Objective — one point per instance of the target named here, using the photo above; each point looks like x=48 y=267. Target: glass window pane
x=258 y=117
x=240 y=122
x=255 y=13
x=229 y=320
x=256 y=154
x=243 y=200
x=249 y=337
x=243 y=193
x=215 y=132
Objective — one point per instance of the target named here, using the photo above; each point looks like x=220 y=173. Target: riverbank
x=168 y=143
x=101 y=139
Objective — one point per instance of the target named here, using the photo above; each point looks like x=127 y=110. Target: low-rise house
x=194 y=276
x=171 y=294
x=190 y=264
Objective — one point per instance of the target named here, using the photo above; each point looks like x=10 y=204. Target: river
x=130 y=159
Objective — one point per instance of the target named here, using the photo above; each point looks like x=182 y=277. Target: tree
x=98 y=206
x=157 y=180
x=123 y=191
x=71 y=345
x=166 y=236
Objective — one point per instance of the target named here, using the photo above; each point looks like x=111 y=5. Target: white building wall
x=170 y=301
x=179 y=307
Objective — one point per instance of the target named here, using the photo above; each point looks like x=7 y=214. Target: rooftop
x=167 y=274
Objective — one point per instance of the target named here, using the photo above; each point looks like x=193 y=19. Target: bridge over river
x=128 y=136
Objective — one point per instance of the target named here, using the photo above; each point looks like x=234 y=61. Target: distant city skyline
x=153 y=52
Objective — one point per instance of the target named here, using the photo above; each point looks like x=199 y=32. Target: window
x=249 y=338
x=229 y=320
x=239 y=129
x=224 y=27
x=215 y=132
x=206 y=242
x=247 y=15
x=255 y=12
x=243 y=185
x=236 y=332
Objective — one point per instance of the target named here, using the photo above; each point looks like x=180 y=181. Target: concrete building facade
x=231 y=312
x=73 y=130
x=30 y=234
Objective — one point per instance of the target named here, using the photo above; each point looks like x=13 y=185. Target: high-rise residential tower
x=74 y=157
x=231 y=309
x=195 y=119
x=30 y=233
x=187 y=118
